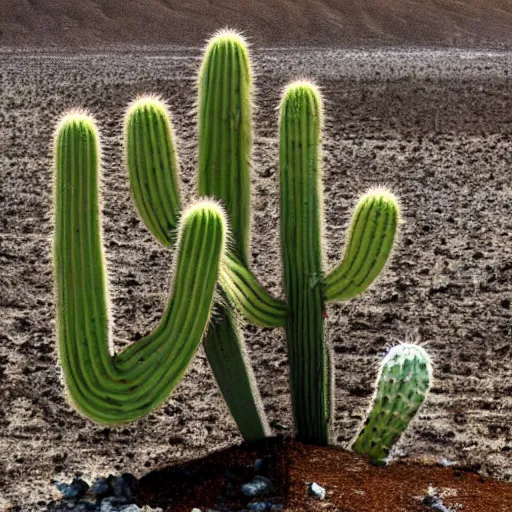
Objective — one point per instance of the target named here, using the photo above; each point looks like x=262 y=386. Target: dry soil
x=433 y=125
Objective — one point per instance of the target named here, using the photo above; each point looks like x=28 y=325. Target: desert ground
x=432 y=125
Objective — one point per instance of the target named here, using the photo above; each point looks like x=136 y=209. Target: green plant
x=127 y=386
x=369 y=245
x=225 y=143
x=404 y=380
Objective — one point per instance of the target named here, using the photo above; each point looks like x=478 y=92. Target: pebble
x=262 y=466
x=316 y=491
x=435 y=503
x=124 y=486
x=130 y=508
x=112 y=504
x=258 y=487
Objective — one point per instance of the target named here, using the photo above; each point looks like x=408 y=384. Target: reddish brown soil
x=352 y=484
x=298 y=22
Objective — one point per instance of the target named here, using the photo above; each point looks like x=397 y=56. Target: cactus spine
x=404 y=380
x=369 y=244
x=118 y=389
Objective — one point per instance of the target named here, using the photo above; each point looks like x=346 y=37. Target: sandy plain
x=433 y=125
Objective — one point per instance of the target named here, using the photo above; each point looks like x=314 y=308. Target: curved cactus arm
x=108 y=389
x=225 y=349
x=247 y=295
x=370 y=243
x=152 y=163
x=404 y=380
x=301 y=221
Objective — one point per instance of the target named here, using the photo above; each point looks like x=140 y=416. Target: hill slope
x=319 y=22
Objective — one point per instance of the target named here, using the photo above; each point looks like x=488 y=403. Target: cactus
x=369 y=244
x=225 y=139
x=225 y=135
x=404 y=380
x=113 y=390
x=225 y=144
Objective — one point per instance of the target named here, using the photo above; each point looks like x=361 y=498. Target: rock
x=259 y=486
x=112 y=504
x=75 y=490
x=101 y=487
x=130 y=508
x=85 y=506
x=258 y=506
x=262 y=466
x=316 y=491
x=124 y=486
x=435 y=503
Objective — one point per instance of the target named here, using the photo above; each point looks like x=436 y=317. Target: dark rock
x=259 y=506
x=74 y=491
x=435 y=503
x=124 y=486
x=101 y=487
x=112 y=504
x=262 y=466
x=260 y=486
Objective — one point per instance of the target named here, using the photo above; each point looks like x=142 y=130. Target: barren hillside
x=312 y=22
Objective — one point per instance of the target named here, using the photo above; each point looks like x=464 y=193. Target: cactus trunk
x=230 y=364
x=225 y=145
x=301 y=211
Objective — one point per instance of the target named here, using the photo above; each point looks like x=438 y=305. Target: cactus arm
x=247 y=295
x=404 y=380
x=152 y=168
x=152 y=164
x=370 y=243
x=301 y=209
x=116 y=390
x=225 y=131
x=226 y=354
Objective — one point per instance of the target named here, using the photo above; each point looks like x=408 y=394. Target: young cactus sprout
x=404 y=380
x=107 y=389
x=369 y=245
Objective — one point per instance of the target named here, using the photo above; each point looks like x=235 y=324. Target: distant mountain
x=302 y=22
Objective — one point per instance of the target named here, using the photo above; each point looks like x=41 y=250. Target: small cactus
x=404 y=380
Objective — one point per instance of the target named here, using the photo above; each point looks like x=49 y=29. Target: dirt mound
x=322 y=22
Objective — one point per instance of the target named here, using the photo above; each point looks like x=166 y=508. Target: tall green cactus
x=118 y=389
x=225 y=140
x=307 y=289
x=225 y=144
x=404 y=380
